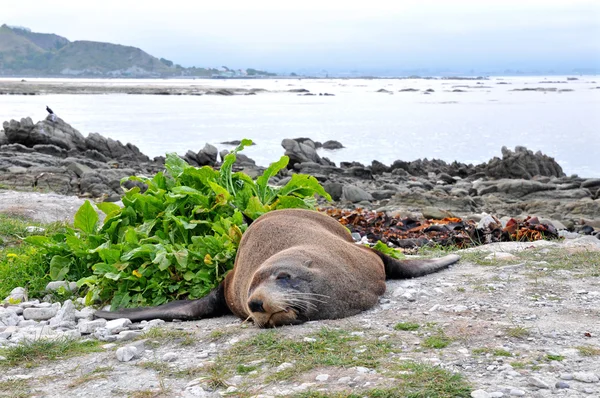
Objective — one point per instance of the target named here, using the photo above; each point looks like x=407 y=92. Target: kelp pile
x=407 y=232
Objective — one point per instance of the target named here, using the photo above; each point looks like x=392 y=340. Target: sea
x=464 y=120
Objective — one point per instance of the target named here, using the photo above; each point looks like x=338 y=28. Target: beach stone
x=40 y=314
x=170 y=357
x=117 y=325
x=88 y=327
x=537 y=382
x=586 y=377
x=355 y=194
x=562 y=385
x=65 y=314
x=55 y=285
x=126 y=354
x=322 y=377
x=479 y=394
x=18 y=294
x=434 y=213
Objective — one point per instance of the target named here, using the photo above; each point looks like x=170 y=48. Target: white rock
x=39 y=314
x=361 y=369
x=87 y=327
x=284 y=366
x=55 y=285
x=479 y=394
x=65 y=314
x=170 y=357
x=117 y=325
x=8 y=317
x=309 y=340
x=32 y=229
x=17 y=295
x=126 y=354
x=322 y=377
x=85 y=313
x=539 y=383
x=586 y=377
x=128 y=335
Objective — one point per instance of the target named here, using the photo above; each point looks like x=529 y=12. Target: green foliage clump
x=177 y=239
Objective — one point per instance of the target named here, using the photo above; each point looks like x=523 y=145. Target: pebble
x=322 y=377
x=562 y=385
x=344 y=380
x=126 y=354
x=586 y=377
x=536 y=382
x=170 y=357
x=566 y=376
x=309 y=340
x=480 y=394
x=284 y=366
x=496 y=394
x=128 y=335
x=17 y=295
x=516 y=392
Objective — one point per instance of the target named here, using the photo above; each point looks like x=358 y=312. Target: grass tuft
x=33 y=353
x=406 y=326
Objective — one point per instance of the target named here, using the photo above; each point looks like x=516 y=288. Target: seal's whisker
x=310 y=299
x=308 y=294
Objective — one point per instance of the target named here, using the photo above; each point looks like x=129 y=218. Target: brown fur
x=292 y=266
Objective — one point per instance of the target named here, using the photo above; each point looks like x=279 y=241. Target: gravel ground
x=521 y=323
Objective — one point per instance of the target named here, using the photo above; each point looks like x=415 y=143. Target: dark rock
x=520 y=188
x=51 y=150
x=383 y=194
x=383 y=90
x=522 y=163
x=190 y=158
x=332 y=144
x=51 y=131
x=408 y=90
x=302 y=152
x=591 y=183
x=95 y=155
x=207 y=155
x=298 y=90
x=354 y=194
x=430 y=90
x=347 y=165
x=446 y=178
x=220 y=92
x=114 y=149
x=378 y=168
x=334 y=189
x=434 y=213
x=358 y=172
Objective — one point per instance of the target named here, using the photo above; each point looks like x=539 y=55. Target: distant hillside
x=26 y=53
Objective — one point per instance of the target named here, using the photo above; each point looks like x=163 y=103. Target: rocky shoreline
x=52 y=156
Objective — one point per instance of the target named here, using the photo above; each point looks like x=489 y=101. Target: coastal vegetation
x=175 y=237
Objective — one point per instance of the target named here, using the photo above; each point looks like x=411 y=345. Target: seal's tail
x=403 y=269
x=186 y=310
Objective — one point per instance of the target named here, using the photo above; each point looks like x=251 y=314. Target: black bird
x=49 y=110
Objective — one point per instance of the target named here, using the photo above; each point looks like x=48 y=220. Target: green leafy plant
x=176 y=239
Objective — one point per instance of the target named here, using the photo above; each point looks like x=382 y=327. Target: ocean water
x=470 y=126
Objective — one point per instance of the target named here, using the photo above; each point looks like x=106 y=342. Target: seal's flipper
x=403 y=269
x=208 y=306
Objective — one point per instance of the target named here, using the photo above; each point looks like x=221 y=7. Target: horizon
x=463 y=38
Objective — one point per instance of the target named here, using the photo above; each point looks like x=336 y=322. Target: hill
x=27 y=53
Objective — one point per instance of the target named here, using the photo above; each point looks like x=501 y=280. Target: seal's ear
x=308 y=263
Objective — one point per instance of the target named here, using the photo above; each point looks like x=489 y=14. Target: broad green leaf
x=175 y=165
x=108 y=207
x=86 y=218
x=37 y=240
x=59 y=267
x=110 y=256
x=303 y=185
x=189 y=275
x=291 y=202
x=385 y=249
x=264 y=193
x=104 y=268
x=255 y=209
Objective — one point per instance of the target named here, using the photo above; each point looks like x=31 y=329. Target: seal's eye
x=283 y=276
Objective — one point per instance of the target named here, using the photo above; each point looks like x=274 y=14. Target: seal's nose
x=256 y=306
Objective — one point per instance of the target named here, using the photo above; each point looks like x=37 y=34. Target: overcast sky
x=333 y=35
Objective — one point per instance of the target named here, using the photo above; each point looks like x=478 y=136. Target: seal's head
x=283 y=293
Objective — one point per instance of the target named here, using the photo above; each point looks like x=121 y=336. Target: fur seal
x=293 y=266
